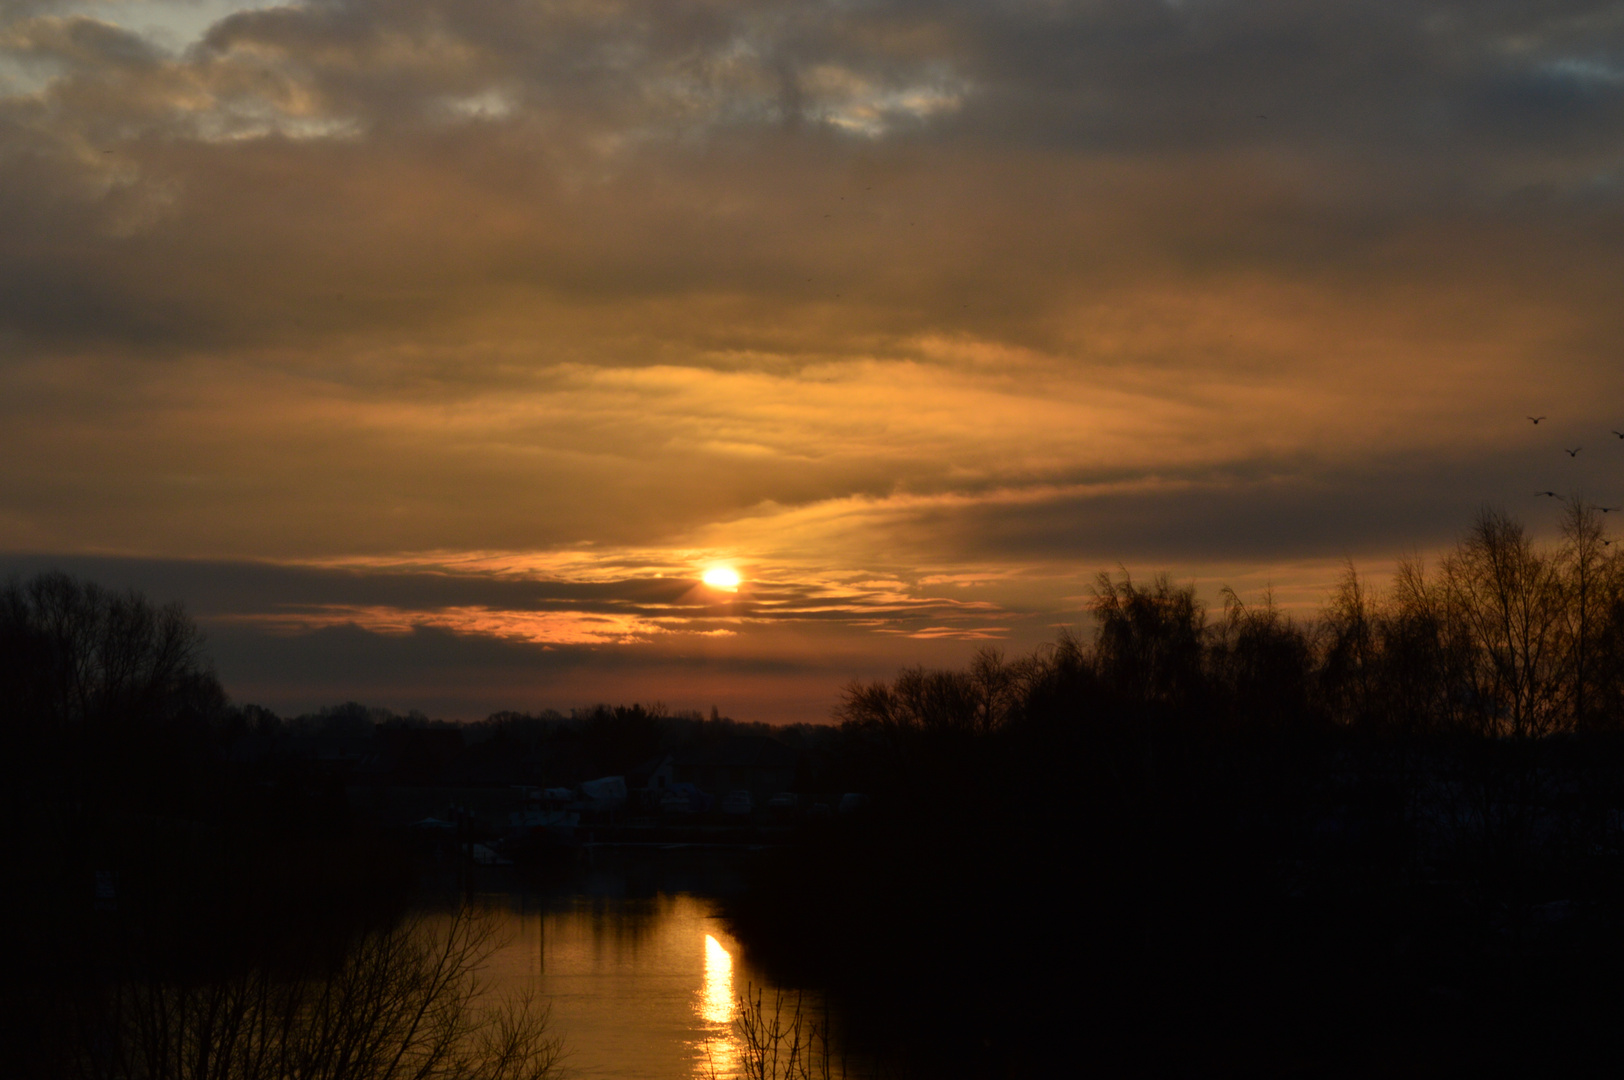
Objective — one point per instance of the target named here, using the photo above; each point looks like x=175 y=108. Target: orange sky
x=430 y=350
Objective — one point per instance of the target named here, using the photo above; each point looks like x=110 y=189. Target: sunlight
x=716 y=1006
x=722 y=577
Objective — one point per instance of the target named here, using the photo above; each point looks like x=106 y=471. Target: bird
x=1536 y=419
x=1607 y=509
x=1552 y=494
x=1572 y=453
x=1620 y=434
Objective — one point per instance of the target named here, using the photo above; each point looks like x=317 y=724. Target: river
x=639 y=970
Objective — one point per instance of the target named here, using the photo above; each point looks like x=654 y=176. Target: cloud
x=471 y=317
x=465 y=638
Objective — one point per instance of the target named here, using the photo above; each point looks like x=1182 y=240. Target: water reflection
x=716 y=1008
x=640 y=988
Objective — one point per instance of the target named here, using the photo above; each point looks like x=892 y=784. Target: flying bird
x=1552 y=494
x=1607 y=509
x=1620 y=434
x=1572 y=453
x=1536 y=419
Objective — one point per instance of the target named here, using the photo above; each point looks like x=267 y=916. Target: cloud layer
x=880 y=291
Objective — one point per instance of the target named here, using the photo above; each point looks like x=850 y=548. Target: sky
x=430 y=350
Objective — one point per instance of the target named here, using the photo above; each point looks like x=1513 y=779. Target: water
x=642 y=986
x=639 y=989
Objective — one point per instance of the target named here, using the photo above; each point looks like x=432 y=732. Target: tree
x=1508 y=599
x=101 y=692
x=78 y=657
x=1589 y=581
x=402 y=1003
x=1262 y=661
x=1349 y=664
x=1148 y=645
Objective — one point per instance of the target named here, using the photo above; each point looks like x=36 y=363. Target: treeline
x=1201 y=840
x=172 y=914
x=1235 y=842
x=548 y=748
x=1503 y=638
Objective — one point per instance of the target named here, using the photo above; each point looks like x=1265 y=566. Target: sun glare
x=722 y=577
x=716 y=1005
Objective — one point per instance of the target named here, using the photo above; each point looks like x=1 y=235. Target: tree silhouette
x=1507 y=598
x=1148 y=643
x=403 y=1002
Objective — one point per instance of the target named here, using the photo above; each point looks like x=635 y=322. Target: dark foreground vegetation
x=1385 y=840
x=1389 y=841
x=169 y=913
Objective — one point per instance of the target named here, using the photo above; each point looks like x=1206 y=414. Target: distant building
x=604 y=794
x=752 y=763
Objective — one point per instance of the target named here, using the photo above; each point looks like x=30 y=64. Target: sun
x=722 y=577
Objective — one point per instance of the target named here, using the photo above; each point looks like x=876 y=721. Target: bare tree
x=1507 y=597
x=1261 y=661
x=1427 y=656
x=1149 y=641
x=1588 y=585
x=977 y=701
x=80 y=656
x=1348 y=668
x=403 y=1003
x=783 y=1044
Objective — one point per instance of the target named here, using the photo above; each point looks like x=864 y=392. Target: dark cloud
x=785 y=669
x=452 y=159
x=468 y=678
x=978 y=291
x=296 y=598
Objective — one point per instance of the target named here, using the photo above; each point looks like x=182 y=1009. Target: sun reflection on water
x=715 y=1007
